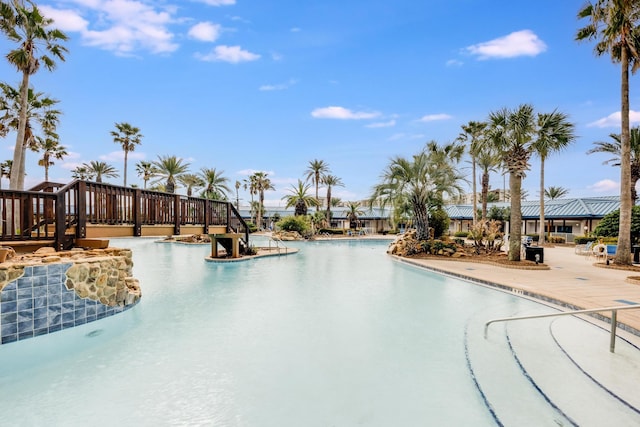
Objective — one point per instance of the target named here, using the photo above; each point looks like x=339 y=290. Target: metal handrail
x=274 y=240
x=614 y=317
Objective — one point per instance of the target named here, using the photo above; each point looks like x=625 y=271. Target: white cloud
x=435 y=117
x=454 y=63
x=205 y=31
x=397 y=136
x=119 y=156
x=605 y=186
x=249 y=172
x=122 y=26
x=342 y=114
x=518 y=43
x=613 y=120
x=232 y=54
x=280 y=86
x=390 y=123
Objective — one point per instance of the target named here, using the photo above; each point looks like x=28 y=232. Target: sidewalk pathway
x=573 y=281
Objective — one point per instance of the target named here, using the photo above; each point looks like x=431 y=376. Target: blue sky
x=266 y=85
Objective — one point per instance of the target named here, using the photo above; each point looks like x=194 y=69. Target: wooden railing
x=62 y=213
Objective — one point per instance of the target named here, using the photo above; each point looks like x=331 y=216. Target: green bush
x=464 y=234
x=557 y=239
x=609 y=226
x=439 y=221
x=252 y=227
x=295 y=223
x=582 y=240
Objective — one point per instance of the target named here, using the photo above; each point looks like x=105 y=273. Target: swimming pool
x=336 y=335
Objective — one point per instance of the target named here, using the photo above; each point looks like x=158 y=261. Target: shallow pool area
x=338 y=334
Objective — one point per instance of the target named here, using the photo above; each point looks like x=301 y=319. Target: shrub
x=609 y=226
x=439 y=221
x=557 y=239
x=331 y=231
x=464 y=234
x=295 y=223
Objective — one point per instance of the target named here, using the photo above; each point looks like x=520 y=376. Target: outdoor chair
x=611 y=252
x=584 y=249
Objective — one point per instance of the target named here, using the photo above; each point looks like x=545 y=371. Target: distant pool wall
x=45 y=294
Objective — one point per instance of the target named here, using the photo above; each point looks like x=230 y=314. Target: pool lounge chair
x=611 y=252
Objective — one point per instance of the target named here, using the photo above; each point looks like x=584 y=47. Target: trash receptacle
x=636 y=254
x=530 y=253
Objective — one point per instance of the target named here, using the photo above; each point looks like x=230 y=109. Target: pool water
x=338 y=334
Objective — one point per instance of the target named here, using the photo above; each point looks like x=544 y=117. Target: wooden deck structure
x=57 y=215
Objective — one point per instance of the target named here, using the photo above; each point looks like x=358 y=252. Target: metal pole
x=614 y=324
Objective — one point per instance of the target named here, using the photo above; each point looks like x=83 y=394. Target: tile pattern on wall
x=39 y=303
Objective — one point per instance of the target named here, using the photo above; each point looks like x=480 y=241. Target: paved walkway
x=572 y=280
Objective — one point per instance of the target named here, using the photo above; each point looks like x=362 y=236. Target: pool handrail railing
x=614 y=319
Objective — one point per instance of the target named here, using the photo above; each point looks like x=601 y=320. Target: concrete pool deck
x=572 y=280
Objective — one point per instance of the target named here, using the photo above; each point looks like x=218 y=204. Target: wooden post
x=137 y=213
x=81 y=210
x=61 y=225
x=207 y=216
x=177 y=214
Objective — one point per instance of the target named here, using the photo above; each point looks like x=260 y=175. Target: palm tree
x=128 y=137
x=5 y=170
x=169 y=168
x=511 y=134
x=40 y=111
x=215 y=184
x=262 y=183
x=472 y=133
x=99 y=169
x=331 y=181
x=316 y=171
x=615 y=149
x=146 y=171
x=51 y=150
x=82 y=173
x=27 y=27
x=238 y=184
x=353 y=213
x=298 y=196
x=553 y=193
x=614 y=23
x=554 y=133
x=190 y=181
x=419 y=183
x=488 y=161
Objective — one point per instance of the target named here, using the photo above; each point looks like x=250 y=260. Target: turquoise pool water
x=336 y=335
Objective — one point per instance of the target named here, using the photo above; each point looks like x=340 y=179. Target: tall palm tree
x=262 y=183
x=614 y=24
x=299 y=197
x=511 y=134
x=420 y=183
x=51 y=150
x=38 y=43
x=353 y=213
x=488 y=160
x=99 y=169
x=238 y=185
x=331 y=181
x=215 y=184
x=190 y=181
x=554 y=133
x=169 y=168
x=316 y=171
x=615 y=149
x=472 y=133
x=553 y=193
x=250 y=184
x=41 y=111
x=5 y=170
x=146 y=171
x=128 y=137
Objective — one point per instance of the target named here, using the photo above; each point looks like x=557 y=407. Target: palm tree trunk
x=125 y=167
x=16 y=182
x=475 y=191
x=329 y=206
x=485 y=192
x=260 y=208
x=421 y=216
x=515 y=226
x=542 y=228
x=623 y=254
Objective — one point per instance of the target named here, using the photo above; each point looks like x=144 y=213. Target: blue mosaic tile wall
x=39 y=303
